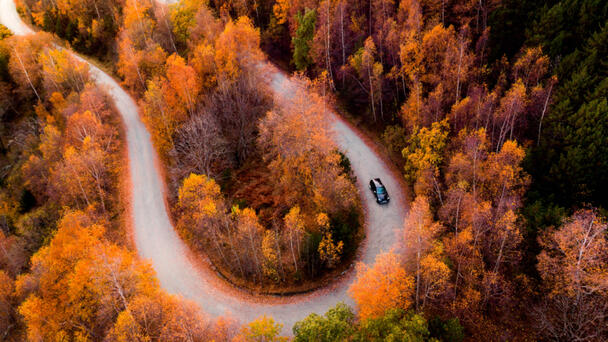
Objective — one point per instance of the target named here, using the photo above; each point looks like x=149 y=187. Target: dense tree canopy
x=495 y=111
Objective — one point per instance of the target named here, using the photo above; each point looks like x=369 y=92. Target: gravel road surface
x=157 y=241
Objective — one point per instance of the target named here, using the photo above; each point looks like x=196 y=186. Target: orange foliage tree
x=303 y=159
x=140 y=54
x=484 y=191
x=574 y=274
x=7 y=310
x=419 y=232
x=237 y=48
x=169 y=101
x=383 y=286
x=83 y=287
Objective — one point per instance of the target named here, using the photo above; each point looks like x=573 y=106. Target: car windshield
x=381 y=190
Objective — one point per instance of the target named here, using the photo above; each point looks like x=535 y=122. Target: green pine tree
x=303 y=39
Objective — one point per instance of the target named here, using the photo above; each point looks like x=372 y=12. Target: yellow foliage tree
x=424 y=155
x=202 y=212
x=371 y=72
x=62 y=72
x=434 y=276
x=263 y=329
x=250 y=239
x=329 y=251
x=202 y=61
x=159 y=118
x=294 y=226
x=271 y=259
x=183 y=18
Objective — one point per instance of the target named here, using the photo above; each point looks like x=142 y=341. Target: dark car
x=379 y=191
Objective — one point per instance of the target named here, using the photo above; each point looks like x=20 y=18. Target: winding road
x=157 y=241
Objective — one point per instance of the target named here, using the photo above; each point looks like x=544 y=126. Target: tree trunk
x=542 y=116
x=499 y=258
x=417 y=278
x=27 y=75
x=342 y=34
x=331 y=75
x=293 y=255
x=458 y=72
x=100 y=192
x=371 y=91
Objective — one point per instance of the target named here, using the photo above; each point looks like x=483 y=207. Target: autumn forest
x=303 y=170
